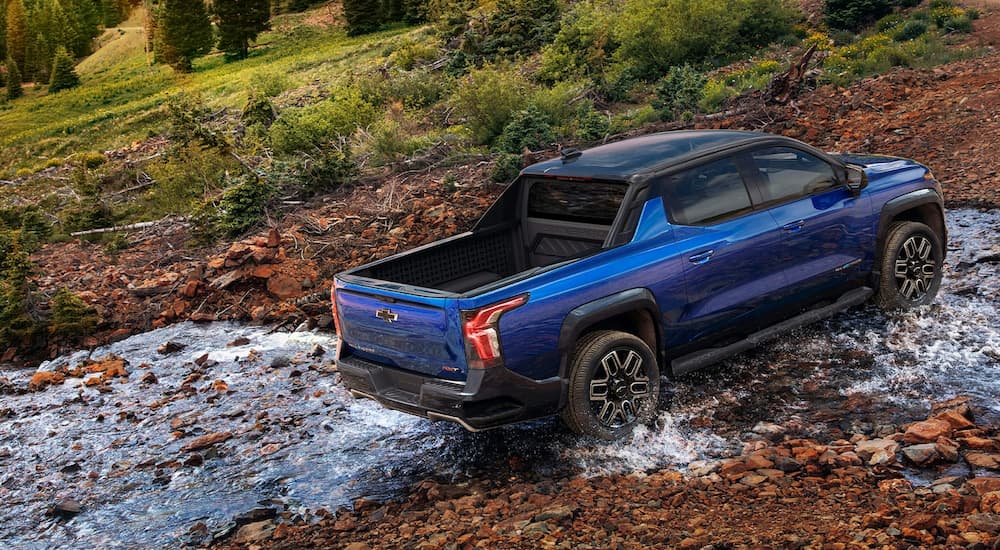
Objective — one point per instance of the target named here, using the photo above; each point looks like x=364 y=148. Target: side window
x=707 y=193
x=787 y=173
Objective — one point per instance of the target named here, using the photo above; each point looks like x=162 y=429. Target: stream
x=299 y=443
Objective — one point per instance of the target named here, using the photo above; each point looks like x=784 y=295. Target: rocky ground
x=935 y=482
x=781 y=492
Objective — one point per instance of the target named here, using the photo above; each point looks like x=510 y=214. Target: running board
x=705 y=357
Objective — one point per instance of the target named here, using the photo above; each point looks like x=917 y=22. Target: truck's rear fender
x=532 y=336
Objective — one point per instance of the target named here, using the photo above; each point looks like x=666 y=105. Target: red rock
x=206 y=441
x=190 y=289
x=955 y=419
x=947 y=448
x=283 y=286
x=927 y=431
x=990 y=503
x=8 y=355
x=273 y=238
x=983 y=485
x=757 y=462
x=42 y=379
x=202 y=317
x=262 y=272
x=983 y=460
x=979 y=443
x=263 y=255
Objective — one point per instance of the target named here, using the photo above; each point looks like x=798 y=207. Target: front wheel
x=912 y=266
x=614 y=384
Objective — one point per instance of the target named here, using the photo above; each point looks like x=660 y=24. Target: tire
x=614 y=385
x=912 y=266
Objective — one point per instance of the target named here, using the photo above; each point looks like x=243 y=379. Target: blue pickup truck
x=596 y=273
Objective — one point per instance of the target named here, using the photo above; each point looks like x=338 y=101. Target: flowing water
x=299 y=443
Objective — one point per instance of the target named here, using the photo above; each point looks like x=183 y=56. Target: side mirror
x=856 y=178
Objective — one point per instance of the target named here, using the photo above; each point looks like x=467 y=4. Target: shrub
x=718 y=89
x=391 y=139
x=557 y=102
x=243 y=204
x=270 y=83
x=326 y=168
x=506 y=167
x=854 y=14
x=657 y=34
x=528 y=129
x=591 y=125
x=910 y=30
x=410 y=55
x=183 y=178
x=258 y=110
x=584 y=43
x=91 y=160
x=70 y=315
x=299 y=129
x=18 y=327
x=488 y=99
x=519 y=27
x=679 y=91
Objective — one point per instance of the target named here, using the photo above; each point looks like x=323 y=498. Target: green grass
x=119 y=99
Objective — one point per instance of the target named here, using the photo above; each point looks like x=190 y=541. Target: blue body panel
x=762 y=264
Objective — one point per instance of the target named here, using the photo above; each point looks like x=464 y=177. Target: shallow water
x=300 y=443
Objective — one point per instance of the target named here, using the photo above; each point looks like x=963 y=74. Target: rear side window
x=787 y=173
x=708 y=193
x=573 y=201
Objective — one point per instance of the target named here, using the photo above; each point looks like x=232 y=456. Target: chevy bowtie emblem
x=386 y=315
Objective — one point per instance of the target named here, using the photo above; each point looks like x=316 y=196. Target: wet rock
x=956 y=419
x=979 y=443
x=865 y=449
x=194 y=460
x=280 y=361
x=42 y=379
x=148 y=378
x=317 y=351
x=983 y=460
x=768 y=429
x=65 y=508
x=989 y=523
x=241 y=341
x=983 y=485
x=927 y=431
x=170 y=347
x=922 y=454
x=206 y=441
x=255 y=532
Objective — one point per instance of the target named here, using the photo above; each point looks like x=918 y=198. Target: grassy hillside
x=121 y=94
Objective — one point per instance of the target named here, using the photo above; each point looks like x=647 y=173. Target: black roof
x=624 y=159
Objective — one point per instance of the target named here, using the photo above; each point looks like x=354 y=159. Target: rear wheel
x=614 y=384
x=912 y=266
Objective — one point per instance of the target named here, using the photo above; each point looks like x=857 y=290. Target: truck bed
x=477 y=259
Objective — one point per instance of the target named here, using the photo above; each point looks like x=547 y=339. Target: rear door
x=822 y=221
x=731 y=276
x=410 y=332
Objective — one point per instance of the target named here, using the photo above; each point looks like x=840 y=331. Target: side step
x=703 y=358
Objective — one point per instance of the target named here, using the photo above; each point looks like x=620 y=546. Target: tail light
x=333 y=308
x=482 y=336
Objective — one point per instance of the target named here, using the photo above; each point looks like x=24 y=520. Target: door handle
x=793 y=226
x=701 y=257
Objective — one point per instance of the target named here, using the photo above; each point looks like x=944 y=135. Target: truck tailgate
x=414 y=336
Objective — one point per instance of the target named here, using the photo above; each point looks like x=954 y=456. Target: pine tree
x=17 y=31
x=363 y=16
x=14 y=90
x=240 y=21
x=185 y=32
x=63 y=75
x=3 y=29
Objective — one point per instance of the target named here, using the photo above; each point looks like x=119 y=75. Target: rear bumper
x=487 y=399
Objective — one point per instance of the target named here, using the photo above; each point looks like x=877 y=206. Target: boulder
x=927 y=431
x=922 y=454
